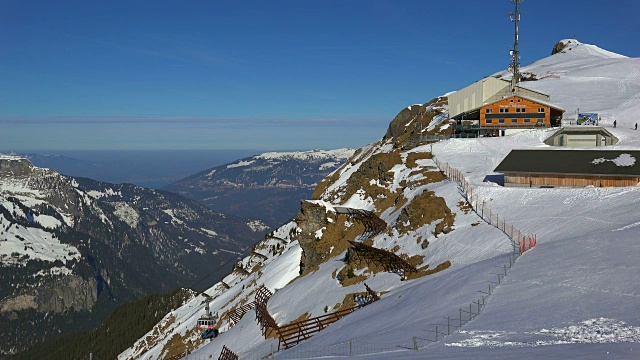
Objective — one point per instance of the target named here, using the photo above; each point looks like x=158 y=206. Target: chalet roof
x=572 y=162
x=530 y=99
x=495 y=100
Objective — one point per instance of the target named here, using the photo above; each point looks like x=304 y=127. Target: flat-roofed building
x=570 y=168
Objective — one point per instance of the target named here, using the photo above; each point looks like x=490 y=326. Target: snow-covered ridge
x=10 y=157
x=316 y=154
x=311 y=154
x=591 y=50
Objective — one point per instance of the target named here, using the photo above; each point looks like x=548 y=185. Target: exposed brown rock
x=425 y=209
x=558 y=47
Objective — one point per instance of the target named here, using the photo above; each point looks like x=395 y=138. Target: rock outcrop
x=558 y=47
x=71 y=292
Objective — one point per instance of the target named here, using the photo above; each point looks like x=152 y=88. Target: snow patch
x=238 y=164
x=257 y=225
x=127 y=214
x=209 y=232
x=621 y=161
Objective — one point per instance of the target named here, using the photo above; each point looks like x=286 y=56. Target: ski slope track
x=576 y=294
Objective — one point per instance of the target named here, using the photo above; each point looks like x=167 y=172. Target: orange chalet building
x=490 y=107
x=518 y=111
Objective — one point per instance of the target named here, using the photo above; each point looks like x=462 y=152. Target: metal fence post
x=460 y=317
x=448 y=325
x=415 y=343
x=436 y=332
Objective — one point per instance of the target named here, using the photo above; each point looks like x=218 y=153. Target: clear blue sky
x=271 y=74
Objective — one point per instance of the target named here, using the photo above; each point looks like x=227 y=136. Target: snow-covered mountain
x=591 y=79
x=268 y=186
x=71 y=249
x=574 y=295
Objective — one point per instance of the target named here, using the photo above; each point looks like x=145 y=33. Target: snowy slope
x=591 y=79
x=574 y=295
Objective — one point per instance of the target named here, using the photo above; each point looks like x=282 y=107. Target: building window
x=540 y=110
x=489 y=111
x=501 y=121
x=519 y=100
x=511 y=100
x=514 y=121
x=489 y=121
x=527 y=120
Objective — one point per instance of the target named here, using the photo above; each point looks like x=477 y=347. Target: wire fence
x=519 y=240
x=352 y=347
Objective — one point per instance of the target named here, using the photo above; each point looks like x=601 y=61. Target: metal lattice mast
x=515 y=53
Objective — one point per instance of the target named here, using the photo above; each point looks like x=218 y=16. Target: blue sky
x=260 y=74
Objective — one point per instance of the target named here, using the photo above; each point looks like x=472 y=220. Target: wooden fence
x=294 y=333
x=227 y=354
x=237 y=314
x=263 y=317
x=373 y=225
x=388 y=260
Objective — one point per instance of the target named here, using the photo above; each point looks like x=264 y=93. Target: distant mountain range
x=71 y=249
x=268 y=186
x=148 y=168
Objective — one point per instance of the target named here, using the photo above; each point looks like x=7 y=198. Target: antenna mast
x=515 y=53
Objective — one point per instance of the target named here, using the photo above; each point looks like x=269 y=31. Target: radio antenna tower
x=515 y=53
